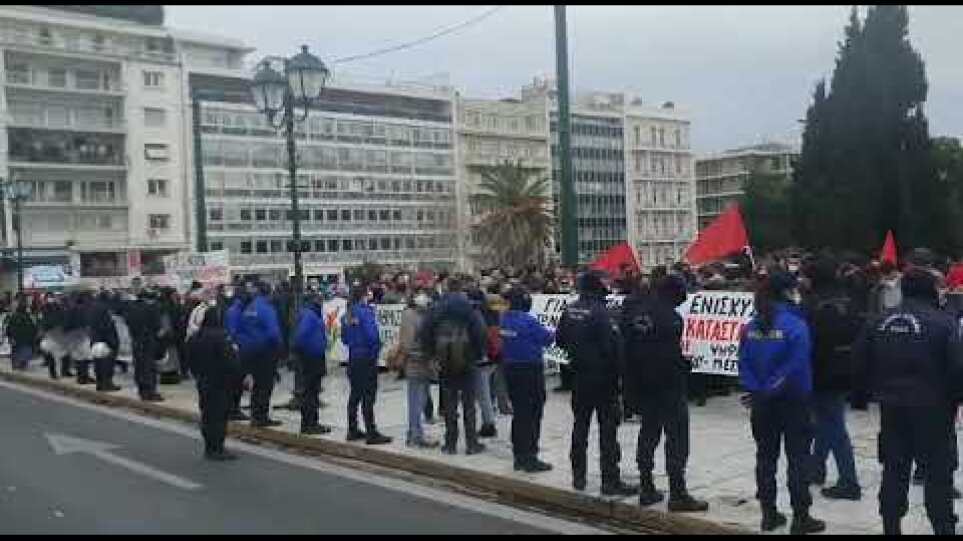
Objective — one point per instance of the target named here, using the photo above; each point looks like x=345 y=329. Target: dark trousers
x=83 y=369
x=299 y=380
x=145 y=369
x=526 y=390
x=920 y=432
x=604 y=402
x=261 y=366
x=664 y=412
x=52 y=365
x=774 y=421
x=567 y=376
x=215 y=402
x=455 y=389
x=312 y=371
x=104 y=371
x=363 y=379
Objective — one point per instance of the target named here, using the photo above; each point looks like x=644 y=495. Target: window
x=18 y=73
x=332 y=215
x=160 y=221
x=245 y=246
x=318 y=215
x=153 y=79
x=332 y=245
x=245 y=215
x=319 y=246
x=345 y=215
x=216 y=215
x=156 y=151
x=216 y=246
x=678 y=139
x=260 y=215
x=154 y=118
x=655 y=134
x=372 y=216
x=157 y=187
x=262 y=247
x=661 y=137
x=346 y=245
x=86 y=80
x=277 y=246
x=57 y=77
x=274 y=215
x=638 y=137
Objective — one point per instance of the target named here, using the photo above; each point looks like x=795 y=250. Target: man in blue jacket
x=253 y=325
x=359 y=332
x=524 y=340
x=774 y=367
x=310 y=345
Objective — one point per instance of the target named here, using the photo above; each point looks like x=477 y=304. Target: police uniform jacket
x=590 y=336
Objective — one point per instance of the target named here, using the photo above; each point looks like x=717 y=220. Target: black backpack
x=453 y=348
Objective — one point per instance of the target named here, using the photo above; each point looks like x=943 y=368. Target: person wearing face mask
x=359 y=332
x=653 y=332
x=774 y=367
x=419 y=369
x=253 y=325
x=310 y=344
x=911 y=359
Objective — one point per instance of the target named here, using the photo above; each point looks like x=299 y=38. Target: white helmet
x=100 y=350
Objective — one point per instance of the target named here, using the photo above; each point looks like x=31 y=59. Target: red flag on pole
x=725 y=236
x=616 y=258
x=889 y=249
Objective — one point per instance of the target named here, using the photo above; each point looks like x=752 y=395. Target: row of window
x=230 y=183
x=357 y=215
x=514 y=124
x=657 y=137
x=660 y=195
x=274 y=156
x=326 y=128
x=372 y=244
x=661 y=164
x=719 y=185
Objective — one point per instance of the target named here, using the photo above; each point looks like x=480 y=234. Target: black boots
x=618 y=488
x=891 y=526
x=648 y=495
x=772 y=519
x=803 y=524
x=684 y=503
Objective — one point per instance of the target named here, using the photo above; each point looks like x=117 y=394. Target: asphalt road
x=264 y=492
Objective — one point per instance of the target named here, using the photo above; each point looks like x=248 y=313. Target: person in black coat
x=216 y=366
x=657 y=370
x=144 y=321
x=22 y=333
x=100 y=323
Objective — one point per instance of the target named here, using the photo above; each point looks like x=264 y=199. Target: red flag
x=725 y=236
x=889 y=248
x=615 y=258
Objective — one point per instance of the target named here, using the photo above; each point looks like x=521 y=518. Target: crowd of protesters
x=828 y=332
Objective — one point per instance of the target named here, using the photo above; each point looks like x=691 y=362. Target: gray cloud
x=744 y=72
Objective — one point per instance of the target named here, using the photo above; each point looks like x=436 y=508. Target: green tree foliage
x=515 y=223
x=766 y=210
x=866 y=159
x=947 y=155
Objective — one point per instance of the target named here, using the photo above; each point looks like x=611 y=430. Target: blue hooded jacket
x=254 y=327
x=311 y=338
x=524 y=339
x=777 y=363
x=359 y=331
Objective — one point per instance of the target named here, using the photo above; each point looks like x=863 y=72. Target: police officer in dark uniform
x=144 y=321
x=910 y=359
x=590 y=337
x=655 y=366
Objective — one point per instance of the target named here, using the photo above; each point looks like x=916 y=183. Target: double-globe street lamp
x=277 y=93
x=16 y=191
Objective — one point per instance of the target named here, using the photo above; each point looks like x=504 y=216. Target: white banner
x=208 y=268
x=389 y=323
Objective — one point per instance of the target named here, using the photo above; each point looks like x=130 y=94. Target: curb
x=517 y=490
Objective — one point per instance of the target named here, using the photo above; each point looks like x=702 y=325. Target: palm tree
x=515 y=225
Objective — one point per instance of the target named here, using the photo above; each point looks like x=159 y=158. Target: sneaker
x=449 y=450
x=771 y=520
x=805 y=524
x=237 y=416
x=648 y=495
x=475 y=449
x=487 y=431
x=316 y=430
x=376 y=438
x=685 y=503
x=619 y=489
x=264 y=423
x=355 y=435
x=842 y=492
x=578 y=484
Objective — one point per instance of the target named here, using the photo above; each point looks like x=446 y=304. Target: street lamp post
x=277 y=93
x=16 y=191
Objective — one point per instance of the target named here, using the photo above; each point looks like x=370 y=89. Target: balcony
x=29 y=147
x=24 y=80
x=45 y=122
x=19 y=36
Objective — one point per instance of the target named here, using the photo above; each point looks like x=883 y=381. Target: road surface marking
x=468 y=503
x=66 y=445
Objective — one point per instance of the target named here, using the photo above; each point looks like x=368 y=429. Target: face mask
x=421 y=300
x=794 y=296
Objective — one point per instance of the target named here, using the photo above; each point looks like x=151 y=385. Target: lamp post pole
x=298 y=284
x=200 y=208
x=16 y=214
x=568 y=206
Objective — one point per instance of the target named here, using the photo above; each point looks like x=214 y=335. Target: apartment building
x=721 y=177
x=92 y=120
x=491 y=132
x=376 y=179
x=660 y=166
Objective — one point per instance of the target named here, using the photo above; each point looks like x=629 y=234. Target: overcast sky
x=744 y=73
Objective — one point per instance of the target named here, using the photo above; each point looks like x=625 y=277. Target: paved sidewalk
x=721 y=466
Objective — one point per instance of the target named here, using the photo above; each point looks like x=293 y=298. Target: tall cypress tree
x=865 y=165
